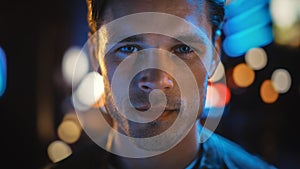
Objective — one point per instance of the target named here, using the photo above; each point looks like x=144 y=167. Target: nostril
x=145 y=86
x=155 y=79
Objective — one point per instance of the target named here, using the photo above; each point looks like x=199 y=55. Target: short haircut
x=216 y=13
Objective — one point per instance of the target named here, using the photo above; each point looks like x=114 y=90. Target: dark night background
x=35 y=35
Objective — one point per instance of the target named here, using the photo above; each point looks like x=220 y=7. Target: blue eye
x=129 y=49
x=183 y=49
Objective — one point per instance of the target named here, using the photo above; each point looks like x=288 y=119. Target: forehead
x=192 y=10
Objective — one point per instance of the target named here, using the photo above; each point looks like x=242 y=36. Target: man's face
x=144 y=82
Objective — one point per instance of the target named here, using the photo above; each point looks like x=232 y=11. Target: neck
x=179 y=157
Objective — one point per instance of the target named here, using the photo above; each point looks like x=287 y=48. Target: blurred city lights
x=285 y=12
x=78 y=106
x=256 y=15
x=256 y=58
x=281 y=80
x=218 y=95
x=58 y=150
x=247 y=25
x=243 y=75
x=212 y=97
x=224 y=94
x=219 y=73
x=238 y=44
x=90 y=89
x=75 y=65
x=236 y=7
x=267 y=92
x=3 y=70
x=69 y=131
x=73 y=117
x=286 y=17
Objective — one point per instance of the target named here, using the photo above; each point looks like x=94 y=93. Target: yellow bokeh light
x=73 y=117
x=243 y=75
x=69 y=131
x=58 y=150
x=267 y=92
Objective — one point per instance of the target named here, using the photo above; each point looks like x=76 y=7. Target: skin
x=144 y=82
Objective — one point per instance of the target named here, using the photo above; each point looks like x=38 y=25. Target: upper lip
x=147 y=107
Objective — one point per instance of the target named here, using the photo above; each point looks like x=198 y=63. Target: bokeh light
x=256 y=58
x=285 y=12
x=281 y=80
x=224 y=94
x=90 y=89
x=267 y=92
x=74 y=58
x=99 y=103
x=58 y=150
x=77 y=104
x=219 y=73
x=286 y=18
x=250 y=20
x=73 y=117
x=2 y=71
x=243 y=75
x=69 y=131
x=212 y=97
x=218 y=95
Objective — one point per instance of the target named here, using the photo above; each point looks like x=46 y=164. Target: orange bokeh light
x=243 y=75
x=267 y=92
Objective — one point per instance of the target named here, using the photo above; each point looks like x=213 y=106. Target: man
x=190 y=37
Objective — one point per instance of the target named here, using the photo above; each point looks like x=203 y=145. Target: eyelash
x=183 y=54
x=178 y=47
x=123 y=51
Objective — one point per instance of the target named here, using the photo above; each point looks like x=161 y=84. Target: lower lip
x=166 y=115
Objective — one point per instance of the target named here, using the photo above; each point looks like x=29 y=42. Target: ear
x=216 y=55
x=93 y=54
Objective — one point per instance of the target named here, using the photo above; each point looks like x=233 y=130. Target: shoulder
x=90 y=156
x=232 y=155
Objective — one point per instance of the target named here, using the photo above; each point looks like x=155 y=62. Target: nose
x=154 y=79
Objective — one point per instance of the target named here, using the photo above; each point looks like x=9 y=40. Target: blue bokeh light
x=248 y=24
x=2 y=72
x=236 y=7
x=258 y=15
x=238 y=44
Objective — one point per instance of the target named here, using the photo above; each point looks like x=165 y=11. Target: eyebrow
x=192 y=38
x=187 y=38
x=133 y=39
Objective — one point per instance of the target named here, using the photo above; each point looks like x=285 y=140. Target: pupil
x=185 y=49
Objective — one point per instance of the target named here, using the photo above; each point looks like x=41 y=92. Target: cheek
x=108 y=68
x=200 y=74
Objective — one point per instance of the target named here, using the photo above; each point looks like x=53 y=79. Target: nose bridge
x=154 y=58
x=154 y=75
x=154 y=79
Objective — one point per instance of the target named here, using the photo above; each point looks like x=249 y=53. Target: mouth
x=167 y=114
